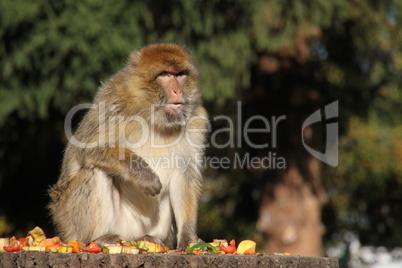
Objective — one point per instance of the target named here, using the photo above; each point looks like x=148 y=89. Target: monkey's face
x=174 y=102
x=169 y=81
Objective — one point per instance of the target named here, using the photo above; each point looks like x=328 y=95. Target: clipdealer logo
x=237 y=135
x=330 y=156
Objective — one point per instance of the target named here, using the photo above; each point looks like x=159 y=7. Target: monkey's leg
x=162 y=229
x=184 y=201
x=77 y=210
x=131 y=167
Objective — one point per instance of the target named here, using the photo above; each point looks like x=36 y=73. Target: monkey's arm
x=123 y=163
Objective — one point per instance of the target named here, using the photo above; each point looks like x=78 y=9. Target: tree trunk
x=292 y=197
x=290 y=217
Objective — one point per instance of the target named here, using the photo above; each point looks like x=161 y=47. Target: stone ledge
x=60 y=260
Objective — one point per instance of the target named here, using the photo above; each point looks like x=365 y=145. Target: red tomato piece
x=231 y=248
x=13 y=248
x=23 y=242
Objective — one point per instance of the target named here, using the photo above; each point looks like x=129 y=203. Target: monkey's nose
x=177 y=91
x=176 y=88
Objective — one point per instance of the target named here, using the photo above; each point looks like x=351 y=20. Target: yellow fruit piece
x=31 y=241
x=65 y=249
x=38 y=234
x=125 y=243
x=112 y=249
x=216 y=245
x=283 y=254
x=4 y=242
x=222 y=242
x=153 y=247
x=130 y=250
x=246 y=247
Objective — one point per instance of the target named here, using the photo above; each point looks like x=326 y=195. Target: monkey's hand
x=143 y=176
x=147 y=180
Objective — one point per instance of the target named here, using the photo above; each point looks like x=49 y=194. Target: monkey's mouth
x=174 y=105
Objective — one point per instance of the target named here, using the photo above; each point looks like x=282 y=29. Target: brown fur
x=110 y=191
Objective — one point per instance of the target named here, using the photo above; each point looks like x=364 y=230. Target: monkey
x=132 y=169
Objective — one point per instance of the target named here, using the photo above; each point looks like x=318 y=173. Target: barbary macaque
x=132 y=169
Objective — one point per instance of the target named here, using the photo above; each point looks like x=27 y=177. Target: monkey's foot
x=107 y=239
x=151 y=239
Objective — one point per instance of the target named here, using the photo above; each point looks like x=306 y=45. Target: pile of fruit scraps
x=36 y=241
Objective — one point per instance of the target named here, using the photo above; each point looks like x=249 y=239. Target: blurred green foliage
x=55 y=53
x=366 y=188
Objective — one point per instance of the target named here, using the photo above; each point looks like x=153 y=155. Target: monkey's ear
x=134 y=59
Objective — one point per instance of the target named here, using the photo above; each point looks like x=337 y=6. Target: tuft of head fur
x=153 y=59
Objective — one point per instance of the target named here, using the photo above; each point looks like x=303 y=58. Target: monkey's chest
x=168 y=158
x=168 y=165
x=137 y=210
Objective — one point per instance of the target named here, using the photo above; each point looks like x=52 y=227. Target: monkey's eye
x=182 y=73
x=164 y=73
